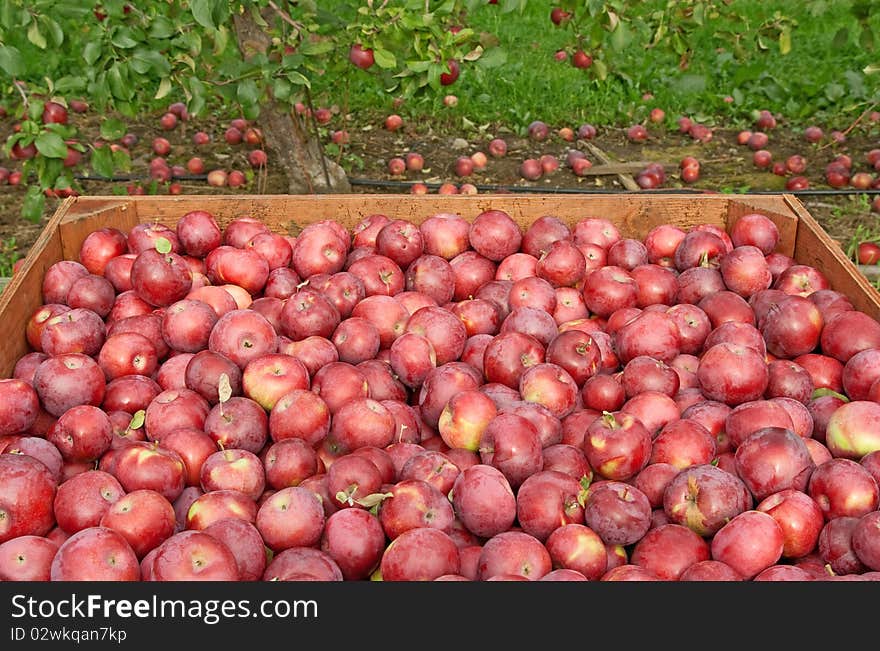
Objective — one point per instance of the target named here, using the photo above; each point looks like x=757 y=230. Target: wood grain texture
x=816 y=248
x=24 y=293
x=779 y=214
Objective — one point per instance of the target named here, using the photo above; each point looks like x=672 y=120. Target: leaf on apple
x=224 y=389
x=163 y=246
x=137 y=420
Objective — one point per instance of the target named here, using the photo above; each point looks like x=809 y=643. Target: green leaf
x=137 y=419
x=384 y=58
x=164 y=88
x=163 y=246
x=51 y=145
x=841 y=36
x=112 y=129
x=121 y=160
x=314 y=48
x=418 y=66
x=55 y=31
x=621 y=37
x=299 y=79
x=117 y=78
x=34 y=204
x=35 y=36
x=48 y=170
x=281 y=89
x=785 y=41
x=834 y=91
x=197 y=90
x=11 y=61
x=493 y=58
x=123 y=40
x=92 y=52
x=824 y=391
x=221 y=39
x=251 y=111
x=144 y=60
x=161 y=27
x=247 y=92
x=102 y=161
x=203 y=13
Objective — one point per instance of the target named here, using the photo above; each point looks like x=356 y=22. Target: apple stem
x=609 y=420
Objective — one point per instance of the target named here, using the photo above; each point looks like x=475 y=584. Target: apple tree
x=258 y=56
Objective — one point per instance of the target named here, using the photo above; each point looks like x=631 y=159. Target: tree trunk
x=299 y=154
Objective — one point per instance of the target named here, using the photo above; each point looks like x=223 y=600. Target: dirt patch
x=725 y=165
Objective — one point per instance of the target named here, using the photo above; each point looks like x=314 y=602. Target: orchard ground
x=806 y=62
x=726 y=166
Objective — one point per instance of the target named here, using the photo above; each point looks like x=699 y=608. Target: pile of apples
x=454 y=400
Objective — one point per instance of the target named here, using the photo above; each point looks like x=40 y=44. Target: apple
x=668 y=550
x=454 y=70
x=194 y=556
x=799 y=517
x=26 y=497
x=355 y=540
x=95 y=554
x=393 y=122
x=843 y=488
x=27 y=558
x=581 y=59
x=619 y=513
x=302 y=563
x=637 y=133
x=813 y=134
x=483 y=500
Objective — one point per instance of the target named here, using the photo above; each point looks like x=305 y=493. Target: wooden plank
x=779 y=213
x=816 y=248
x=24 y=293
x=78 y=223
x=626 y=179
x=611 y=169
x=635 y=214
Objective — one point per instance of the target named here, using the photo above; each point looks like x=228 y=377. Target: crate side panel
x=777 y=210
x=288 y=214
x=24 y=294
x=816 y=248
x=83 y=218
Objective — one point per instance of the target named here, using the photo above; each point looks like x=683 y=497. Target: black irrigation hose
x=525 y=189
x=555 y=190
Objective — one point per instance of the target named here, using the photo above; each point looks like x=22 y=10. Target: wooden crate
x=800 y=235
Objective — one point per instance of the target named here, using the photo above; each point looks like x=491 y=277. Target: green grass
x=820 y=80
x=8 y=256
